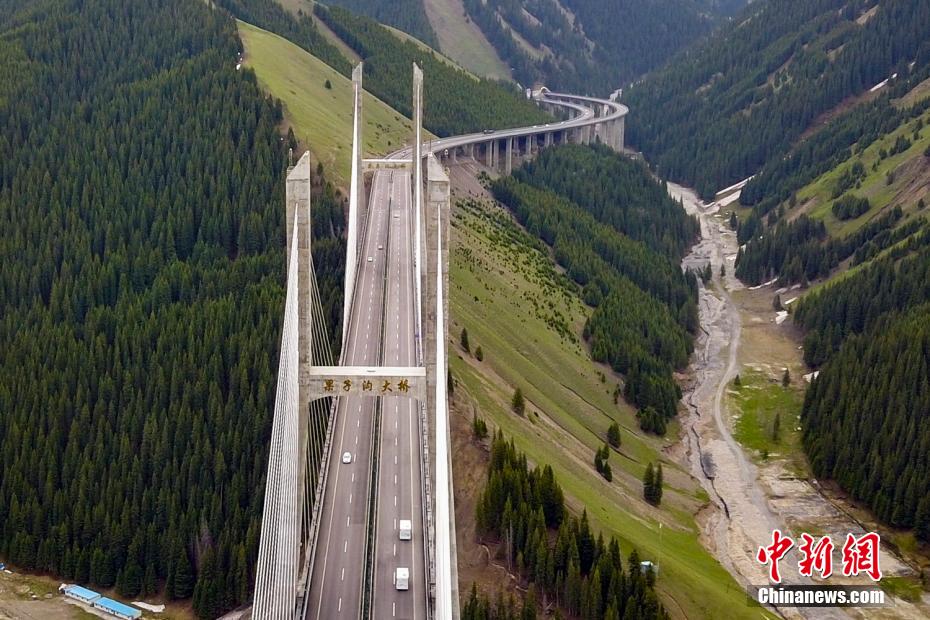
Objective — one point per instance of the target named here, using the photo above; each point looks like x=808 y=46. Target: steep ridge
x=718 y=113
x=407 y=15
x=457 y=102
x=590 y=46
x=830 y=115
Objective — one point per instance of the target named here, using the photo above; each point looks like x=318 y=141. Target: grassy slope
x=403 y=36
x=321 y=117
x=909 y=186
x=504 y=292
x=463 y=41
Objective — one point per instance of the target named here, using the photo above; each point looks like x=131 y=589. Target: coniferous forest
x=591 y=46
x=620 y=238
x=865 y=414
x=454 y=102
x=557 y=553
x=141 y=294
x=407 y=15
x=719 y=112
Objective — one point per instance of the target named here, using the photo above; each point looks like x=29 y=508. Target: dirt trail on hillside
x=746 y=504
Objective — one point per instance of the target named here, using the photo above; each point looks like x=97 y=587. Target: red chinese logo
x=860 y=555
x=817 y=557
x=773 y=553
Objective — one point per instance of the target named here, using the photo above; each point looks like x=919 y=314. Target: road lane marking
x=340 y=605
x=345 y=546
x=350 y=498
x=343 y=573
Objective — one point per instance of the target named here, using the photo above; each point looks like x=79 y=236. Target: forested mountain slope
x=572 y=572
x=454 y=101
x=866 y=190
x=591 y=46
x=621 y=241
x=141 y=272
x=525 y=320
x=300 y=29
x=719 y=113
x=847 y=205
x=407 y=15
x=865 y=415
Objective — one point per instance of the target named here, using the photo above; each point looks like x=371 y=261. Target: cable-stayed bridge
x=362 y=445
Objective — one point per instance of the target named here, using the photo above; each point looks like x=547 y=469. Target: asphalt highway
x=399 y=458
x=338 y=570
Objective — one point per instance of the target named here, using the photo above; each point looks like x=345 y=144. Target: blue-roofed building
x=81 y=594
x=117 y=609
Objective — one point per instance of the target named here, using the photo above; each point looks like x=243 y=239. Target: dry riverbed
x=752 y=496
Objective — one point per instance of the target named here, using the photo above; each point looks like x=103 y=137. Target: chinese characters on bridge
x=385 y=387
x=859 y=555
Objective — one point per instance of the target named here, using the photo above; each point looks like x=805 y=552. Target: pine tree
x=183 y=574
x=613 y=435
x=479 y=354
x=786 y=378
x=649 y=484
x=517 y=403
x=129 y=580
x=207 y=593
x=479 y=427
x=776 y=427
x=463 y=340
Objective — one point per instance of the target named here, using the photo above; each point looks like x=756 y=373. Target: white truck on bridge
x=406 y=529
